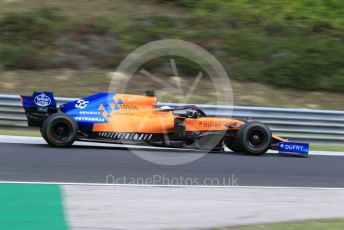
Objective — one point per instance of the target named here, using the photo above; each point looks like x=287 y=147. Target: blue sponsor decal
x=42 y=100
x=119 y=102
x=39 y=99
x=293 y=147
x=90 y=119
x=85 y=111
x=90 y=103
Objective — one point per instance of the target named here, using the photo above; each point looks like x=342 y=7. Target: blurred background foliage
x=296 y=44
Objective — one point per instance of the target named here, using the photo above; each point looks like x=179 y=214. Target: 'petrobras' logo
x=42 y=100
x=90 y=119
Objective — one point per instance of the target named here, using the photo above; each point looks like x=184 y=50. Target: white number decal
x=81 y=104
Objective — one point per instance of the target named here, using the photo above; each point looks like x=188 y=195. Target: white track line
x=164 y=185
x=39 y=140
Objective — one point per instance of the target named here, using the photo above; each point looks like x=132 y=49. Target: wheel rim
x=256 y=138
x=61 y=131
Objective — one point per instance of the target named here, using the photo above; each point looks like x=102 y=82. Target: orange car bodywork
x=138 y=114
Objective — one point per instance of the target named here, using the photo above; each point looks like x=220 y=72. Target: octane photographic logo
x=164 y=180
x=132 y=69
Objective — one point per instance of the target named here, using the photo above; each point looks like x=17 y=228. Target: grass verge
x=80 y=83
x=20 y=132
x=335 y=148
x=328 y=224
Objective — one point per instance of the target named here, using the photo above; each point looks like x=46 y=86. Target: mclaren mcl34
x=126 y=118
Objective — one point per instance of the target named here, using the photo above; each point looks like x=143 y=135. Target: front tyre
x=59 y=130
x=254 y=138
x=230 y=142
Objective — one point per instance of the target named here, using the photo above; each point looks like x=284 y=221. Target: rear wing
x=38 y=107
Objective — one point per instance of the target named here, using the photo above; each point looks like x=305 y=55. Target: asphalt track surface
x=80 y=164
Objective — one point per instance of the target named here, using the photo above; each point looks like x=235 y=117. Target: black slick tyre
x=254 y=138
x=59 y=130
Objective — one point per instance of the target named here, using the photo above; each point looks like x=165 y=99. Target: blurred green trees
x=295 y=44
x=22 y=35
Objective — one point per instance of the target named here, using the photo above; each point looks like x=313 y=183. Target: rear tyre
x=254 y=138
x=59 y=130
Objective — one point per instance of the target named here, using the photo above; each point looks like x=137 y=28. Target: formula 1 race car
x=125 y=118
